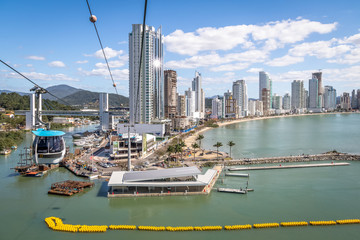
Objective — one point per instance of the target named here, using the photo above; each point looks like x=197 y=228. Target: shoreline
x=192 y=138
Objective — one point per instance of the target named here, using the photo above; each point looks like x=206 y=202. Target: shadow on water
x=13 y=174
x=103 y=190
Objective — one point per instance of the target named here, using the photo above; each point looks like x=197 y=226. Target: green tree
x=170 y=150
x=230 y=144
x=182 y=145
x=217 y=145
x=199 y=138
x=195 y=146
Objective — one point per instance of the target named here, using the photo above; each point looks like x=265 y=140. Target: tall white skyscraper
x=217 y=107
x=314 y=93
x=146 y=93
x=240 y=94
x=297 y=94
x=265 y=82
x=277 y=101
x=190 y=98
x=199 y=94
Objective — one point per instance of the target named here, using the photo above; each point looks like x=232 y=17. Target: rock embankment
x=289 y=159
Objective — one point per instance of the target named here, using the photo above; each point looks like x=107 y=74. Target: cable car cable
x=36 y=85
x=93 y=20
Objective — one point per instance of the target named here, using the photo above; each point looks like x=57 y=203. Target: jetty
x=237 y=174
x=289 y=166
x=234 y=190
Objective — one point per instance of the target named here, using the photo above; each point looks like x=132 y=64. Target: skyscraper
x=199 y=94
x=170 y=97
x=318 y=76
x=297 y=94
x=265 y=82
x=287 y=102
x=313 y=93
x=345 y=101
x=329 y=98
x=277 y=101
x=146 y=92
x=190 y=102
x=240 y=94
x=217 y=107
x=181 y=105
x=354 y=100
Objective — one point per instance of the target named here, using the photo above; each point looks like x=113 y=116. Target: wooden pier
x=289 y=166
x=69 y=187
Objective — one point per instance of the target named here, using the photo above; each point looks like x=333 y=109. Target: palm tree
x=217 y=145
x=230 y=144
x=178 y=148
x=195 y=146
x=170 y=150
x=199 y=138
x=182 y=144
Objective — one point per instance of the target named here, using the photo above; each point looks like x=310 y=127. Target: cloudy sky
x=53 y=42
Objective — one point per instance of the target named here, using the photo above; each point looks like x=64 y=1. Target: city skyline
x=290 y=46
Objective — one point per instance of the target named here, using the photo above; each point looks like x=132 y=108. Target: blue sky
x=53 y=42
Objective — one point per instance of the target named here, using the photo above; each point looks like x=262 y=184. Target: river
x=280 y=195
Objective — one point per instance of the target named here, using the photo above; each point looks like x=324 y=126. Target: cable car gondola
x=48 y=146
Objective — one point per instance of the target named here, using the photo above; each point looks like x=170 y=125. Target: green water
x=280 y=195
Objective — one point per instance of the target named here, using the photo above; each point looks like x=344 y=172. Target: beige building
x=180 y=122
x=170 y=93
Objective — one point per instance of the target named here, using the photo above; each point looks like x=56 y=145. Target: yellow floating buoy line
x=57 y=224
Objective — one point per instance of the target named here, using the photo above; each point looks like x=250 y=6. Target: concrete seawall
x=288 y=159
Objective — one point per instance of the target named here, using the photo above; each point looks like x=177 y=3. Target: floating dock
x=233 y=190
x=69 y=187
x=289 y=166
x=237 y=174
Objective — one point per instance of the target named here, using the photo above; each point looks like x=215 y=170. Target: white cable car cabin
x=48 y=146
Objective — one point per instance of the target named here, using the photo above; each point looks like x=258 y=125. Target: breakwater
x=57 y=224
x=287 y=159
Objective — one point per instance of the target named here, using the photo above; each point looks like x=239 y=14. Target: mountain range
x=78 y=97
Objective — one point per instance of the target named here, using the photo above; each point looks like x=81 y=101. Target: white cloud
x=350 y=58
x=109 y=52
x=43 y=76
x=38 y=58
x=254 y=70
x=242 y=59
x=29 y=65
x=82 y=62
x=273 y=35
x=284 y=61
x=118 y=74
x=112 y=64
x=56 y=64
x=230 y=67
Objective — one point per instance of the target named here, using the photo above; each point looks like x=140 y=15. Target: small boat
x=34 y=174
x=14 y=147
x=5 y=152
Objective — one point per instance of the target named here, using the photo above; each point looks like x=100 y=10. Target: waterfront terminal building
x=172 y=181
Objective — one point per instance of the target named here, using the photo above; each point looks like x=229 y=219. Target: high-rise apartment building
x=240 y=94
x=190 y=103
x=265 y=83
x=277 y=101
x=287 y=102
x=266 y=100
x=181 y=105
x=297 y=94
x=146 y=91
x=358 y=98
x=199 y=94
x=318 y=76
x=345 y=101
x=329 y=98
x=217 y=107
x=313 y=93
x=354 y=100
x=170 y=96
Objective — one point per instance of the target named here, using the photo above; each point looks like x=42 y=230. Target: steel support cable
x=141 y=58
x=102 y=49
x=33 y=82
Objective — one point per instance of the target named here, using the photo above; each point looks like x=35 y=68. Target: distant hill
x=88 y=98
x=60 y=91
x=20 y=93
